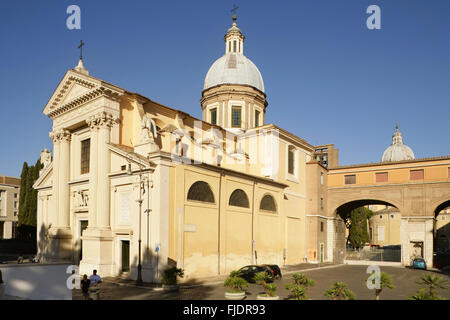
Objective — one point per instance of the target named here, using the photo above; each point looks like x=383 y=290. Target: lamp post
x=141 y=187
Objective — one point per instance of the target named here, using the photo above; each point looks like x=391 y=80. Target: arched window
x=239 y=199
x=200 y=191
x=268 y=203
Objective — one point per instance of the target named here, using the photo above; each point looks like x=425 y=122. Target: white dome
x=397 y=151
x=234 y=68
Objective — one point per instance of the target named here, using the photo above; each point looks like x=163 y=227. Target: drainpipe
x=218 y=223
x=253 y=217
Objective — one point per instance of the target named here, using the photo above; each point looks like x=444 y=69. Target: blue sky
x=328 y=78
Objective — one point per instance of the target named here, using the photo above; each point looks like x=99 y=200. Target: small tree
x=235 y=282
x=339 y=291
x=299 y=289
x=169 y=276
x=423 y=294
x=358 y=233
x=385 y=282
x=262 y=279
x=433 y=282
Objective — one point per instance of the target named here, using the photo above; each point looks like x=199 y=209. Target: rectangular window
x=257 y=118
x=321 y=227
x=236 y=117
x=350 y=179
x=15 y=195
x=234 y=46
x=214 y=116
x=448 y=172
x=321 y=178
x=416 y=174
x=15 y=204
x=381 y=177
x=291 y=161
x=85 y=155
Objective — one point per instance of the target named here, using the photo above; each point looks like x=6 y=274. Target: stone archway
x=441 y=229
x=386 y=230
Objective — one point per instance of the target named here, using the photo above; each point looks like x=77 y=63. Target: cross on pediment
x=81 y=49
x=234 y=10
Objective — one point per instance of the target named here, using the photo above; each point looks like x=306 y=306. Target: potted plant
x=169 y=278
x=299 y=289
x=236 y=286
x=262 y=279
x=339 y=291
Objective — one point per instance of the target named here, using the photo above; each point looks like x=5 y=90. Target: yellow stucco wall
x=398 y=173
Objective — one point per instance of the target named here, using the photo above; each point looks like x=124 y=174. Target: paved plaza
x=355 y=277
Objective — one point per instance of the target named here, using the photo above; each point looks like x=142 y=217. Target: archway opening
x=441 y=241
x=372 y=230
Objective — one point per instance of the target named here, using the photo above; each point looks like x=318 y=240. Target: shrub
x=169 y=276
x=235 y=282
x=339 y=291
x=262 y=279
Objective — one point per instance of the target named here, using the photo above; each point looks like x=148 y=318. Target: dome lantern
x=234 y=39
x=397 y=151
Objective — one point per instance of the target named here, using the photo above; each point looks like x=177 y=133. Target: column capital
x=102 y=119
x=59 y=135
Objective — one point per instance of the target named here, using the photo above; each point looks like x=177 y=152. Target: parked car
x=419 y=263
x=249 y=272
x=276 y=270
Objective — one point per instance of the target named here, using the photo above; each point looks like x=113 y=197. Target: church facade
x=133 y=182
x=135 y=185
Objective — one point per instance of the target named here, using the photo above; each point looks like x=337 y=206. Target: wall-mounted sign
x=190 y=228
x=124 y=207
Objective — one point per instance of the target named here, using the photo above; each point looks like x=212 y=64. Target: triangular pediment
x=45 y=178
x=74 y=85
x=77 y=88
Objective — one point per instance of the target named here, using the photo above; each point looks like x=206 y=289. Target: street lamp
x=141 y=187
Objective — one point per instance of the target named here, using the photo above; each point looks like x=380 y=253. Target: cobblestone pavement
x=354 y=276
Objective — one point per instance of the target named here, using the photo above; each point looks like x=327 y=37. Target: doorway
x=83 y=226
x=125 y=255
x=322 y=253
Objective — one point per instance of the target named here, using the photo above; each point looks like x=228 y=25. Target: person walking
x=85 y=284
x=2 y=286
x=94 y=289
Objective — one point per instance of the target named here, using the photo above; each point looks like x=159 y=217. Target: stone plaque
x=417 y=236
x=124 y=208
x=190 y=228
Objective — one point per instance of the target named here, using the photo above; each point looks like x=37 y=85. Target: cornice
x=87 y=97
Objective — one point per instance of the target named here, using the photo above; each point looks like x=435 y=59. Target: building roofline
x=389 y=163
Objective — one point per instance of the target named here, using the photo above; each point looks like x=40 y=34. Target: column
x=53 y=217
x=64 y=176
x=92 y=122
x=98 y=240
x=105 y=122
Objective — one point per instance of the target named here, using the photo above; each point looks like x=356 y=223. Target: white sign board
x=190 y=228
x=380 y=233
x=124 y=207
